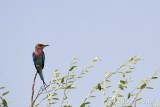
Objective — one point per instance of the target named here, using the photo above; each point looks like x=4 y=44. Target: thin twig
x=32 y=102
x=39 y=93
x=65 y=90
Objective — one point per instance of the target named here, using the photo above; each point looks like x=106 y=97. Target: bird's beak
x=46 y=45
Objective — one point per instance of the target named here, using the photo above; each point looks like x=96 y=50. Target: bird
x=39 y=60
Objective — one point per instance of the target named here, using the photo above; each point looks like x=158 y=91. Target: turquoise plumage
x=39 y=60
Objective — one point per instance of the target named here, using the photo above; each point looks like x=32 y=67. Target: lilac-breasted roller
x=39 y=59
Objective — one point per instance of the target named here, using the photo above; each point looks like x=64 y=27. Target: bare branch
x=32 y=102
x=41 y=90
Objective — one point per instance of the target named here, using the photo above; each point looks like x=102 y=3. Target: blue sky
x=113 y=30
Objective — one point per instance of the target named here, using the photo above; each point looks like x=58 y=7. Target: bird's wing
x=34 y=59
x=43 y=59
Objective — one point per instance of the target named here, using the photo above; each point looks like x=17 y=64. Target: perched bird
x=39 y=60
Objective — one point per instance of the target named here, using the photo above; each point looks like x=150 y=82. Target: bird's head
x=40 y=46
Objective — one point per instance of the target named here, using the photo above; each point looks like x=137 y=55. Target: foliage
x=122 y=71
x=64 y=84
x=3 y=102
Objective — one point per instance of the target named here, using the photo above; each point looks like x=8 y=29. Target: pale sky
x=113 y=30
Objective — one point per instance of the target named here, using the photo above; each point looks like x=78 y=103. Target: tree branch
x=33 y=101
x=41 y=90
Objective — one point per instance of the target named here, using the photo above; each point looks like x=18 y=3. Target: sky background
x=113 y=30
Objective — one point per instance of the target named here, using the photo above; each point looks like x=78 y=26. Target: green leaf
x=5 y=93
x=131 y=59
x=99 y=87
x=154 y=77
x=80 y=76
x=4 y=102
x=128 y=71
x=129 y=95
x=52 y=103
x=90 y=67
x=108 y=81
x=54 y=94
x=71 y=86
x=87 y=103
x=125 y=86
x=123 y=82
x=65 y=97
x=108 y=86
x=139 y=99
x=83 y=105
x=85 y=70
x=37 y=105
x=49 y=96
x=92 y=96
x=62 y=80
x=149 y=88
x=67 y=106
x=72 y=68
x=68 y=87
x=2 y=87
x=121 y=87
x=55 y=98
x=127 y=106
x=131 y=68
x=119 y=95
x=105 y=100
x=143 y=86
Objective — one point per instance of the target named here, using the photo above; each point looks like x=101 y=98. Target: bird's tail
x=41 y=76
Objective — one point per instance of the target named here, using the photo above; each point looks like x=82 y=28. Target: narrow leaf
x=149 y=88
x=62 y=80
x=72 y=68
x=83 y=105
x=119 y=95
x=108 y=81
x=139 y=99
x=143 y=86
x=154 y=77
x=108 y=86
x=54 y=94
x=99 y=87
x=68 y=87
x=80 y=77
x=128 y=71
x=67 y=106
x=92 y=96
x=121 y=87
x=5 y=93
x=2 y=87
x=123 y=82
x=37 y=105
x=129 y=95
x=90 y=67
x=55 y=99
x=4 y=102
